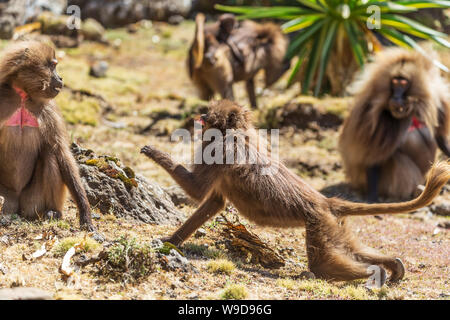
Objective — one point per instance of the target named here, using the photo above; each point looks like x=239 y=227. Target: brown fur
x=372 y=136
x=223 y=53
x=36 y=164
x=268 y=194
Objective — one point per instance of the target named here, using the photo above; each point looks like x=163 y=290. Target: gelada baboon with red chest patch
x=36 y=164
x=269 y=194
x=226 y=52
x=401 y=114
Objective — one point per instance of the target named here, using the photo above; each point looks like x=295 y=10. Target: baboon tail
x=199 y=41
x=437 y=178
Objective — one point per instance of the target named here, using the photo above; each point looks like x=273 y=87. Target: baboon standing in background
x=224 y=52
x=267 y=193
x=401 y=115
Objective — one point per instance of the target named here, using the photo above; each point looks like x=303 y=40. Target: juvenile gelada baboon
x=36 y=164
x=267 y=193
x=401 y=114
x=225 y=52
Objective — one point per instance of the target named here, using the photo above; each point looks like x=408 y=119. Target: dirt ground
x=147 y=75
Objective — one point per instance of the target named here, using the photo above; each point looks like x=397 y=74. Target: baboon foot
x=53 y=215
x=399 y=271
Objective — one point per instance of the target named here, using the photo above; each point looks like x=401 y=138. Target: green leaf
x=325 y=54
x=358 y=52
x=311 y=4
x=412 y=24
x=299 y=23
x=425 y=4
x=301 y=57
x=296 y=44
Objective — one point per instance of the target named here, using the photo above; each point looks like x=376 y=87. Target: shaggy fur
x=373 y=136
x=223 y=53
x=267 y=193
x=36 y=164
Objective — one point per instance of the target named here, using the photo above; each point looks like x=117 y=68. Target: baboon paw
x=53 y=215
x=147 y=150
x=399 y=271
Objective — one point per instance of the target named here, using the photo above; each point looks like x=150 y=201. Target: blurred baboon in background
x=401 y=115
x=225 y=52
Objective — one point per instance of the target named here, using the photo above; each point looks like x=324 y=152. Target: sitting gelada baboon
x=401 y=114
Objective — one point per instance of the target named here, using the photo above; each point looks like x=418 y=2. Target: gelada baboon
x=36 y=164
x=224 y=52
x=269 y=194
x=401 y=114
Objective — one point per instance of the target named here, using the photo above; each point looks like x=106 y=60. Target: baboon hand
x=149 y=151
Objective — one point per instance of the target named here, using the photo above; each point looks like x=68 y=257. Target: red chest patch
x=22 y=117
x=415 y=124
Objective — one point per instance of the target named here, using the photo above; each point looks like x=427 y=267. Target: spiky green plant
x=331 y=26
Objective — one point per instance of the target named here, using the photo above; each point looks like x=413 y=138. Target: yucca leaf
x=356 y=47
x=413 y=24
x=301 y=57
x=295 y=45
x=311 y=67
x=311 y=4
x=426 y=4
x=325 y=54
x=299 y=23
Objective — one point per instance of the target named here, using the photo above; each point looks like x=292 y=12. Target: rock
x=178 y=196
x=200 y=233
x=22 y=293
x=307 y=275
x=56 y=25
x=3 y=269
x=119 y=13
x=92 y=30
x=302 y=115
x=115 y=189
x=98 y=70
x=175 y=261
x=444 y=225
x=442 y=209
x=15 y=13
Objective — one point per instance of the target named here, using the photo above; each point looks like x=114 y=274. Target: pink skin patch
x=416 y=124
x=22 y=117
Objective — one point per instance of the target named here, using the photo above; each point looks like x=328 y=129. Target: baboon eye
x=53 y=63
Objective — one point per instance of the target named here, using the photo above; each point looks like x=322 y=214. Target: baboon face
x=224 y=115
x=37 y=72
x=400 y=105
x=215 y=52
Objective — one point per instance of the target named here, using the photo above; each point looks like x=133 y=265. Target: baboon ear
x=227 y=22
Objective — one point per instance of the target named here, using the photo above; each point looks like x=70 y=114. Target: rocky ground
x=145 y=95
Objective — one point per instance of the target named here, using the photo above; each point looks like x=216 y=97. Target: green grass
x=222 y=266
x=87 y=245
x=234 y=292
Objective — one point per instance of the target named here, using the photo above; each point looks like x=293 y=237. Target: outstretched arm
x=195 y=185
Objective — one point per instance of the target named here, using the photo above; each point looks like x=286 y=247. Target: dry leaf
x=65 y=268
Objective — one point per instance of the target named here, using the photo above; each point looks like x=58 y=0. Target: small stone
x=175 y=20
x=444 y=225
x=200 y=233
x=308 y=275
x=3 y=269
x=192 y=296
x=95 y=216
x=98 y=70
x=442 y=209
